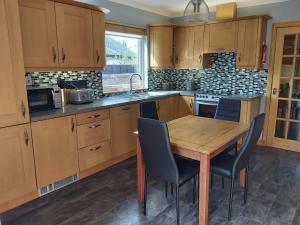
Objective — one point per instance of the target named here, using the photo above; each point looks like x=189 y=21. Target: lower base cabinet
x=17 y=175
x=186 y=106
x=55 y=149
x=123 y=124
x=167 y=108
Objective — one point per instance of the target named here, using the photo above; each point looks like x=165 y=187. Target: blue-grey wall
x=128 y=15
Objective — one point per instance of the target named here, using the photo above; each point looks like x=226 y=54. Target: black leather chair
x=228 y=109
x=229 y=166
x=160 y=162
x=148 y=110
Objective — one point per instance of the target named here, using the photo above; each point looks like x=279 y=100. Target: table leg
x=204 y=189
x=140 y=173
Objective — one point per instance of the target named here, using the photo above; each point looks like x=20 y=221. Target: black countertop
x=118 y=100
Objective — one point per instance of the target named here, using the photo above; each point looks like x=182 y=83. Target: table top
x=204 y=135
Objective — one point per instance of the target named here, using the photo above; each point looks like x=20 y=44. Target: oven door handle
x=206 y=103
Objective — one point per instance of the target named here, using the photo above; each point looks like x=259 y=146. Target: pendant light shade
x=196 y=11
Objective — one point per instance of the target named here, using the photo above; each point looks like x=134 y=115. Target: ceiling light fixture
x=196 y=11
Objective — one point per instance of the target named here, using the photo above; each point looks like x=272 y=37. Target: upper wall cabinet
x=188 y=47
x=13 y=97
x=66 y=36
x=161 y=47
x=251 y=34
x=38 y=33
x=221 y=37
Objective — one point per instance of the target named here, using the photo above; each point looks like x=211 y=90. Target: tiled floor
x=109 y=198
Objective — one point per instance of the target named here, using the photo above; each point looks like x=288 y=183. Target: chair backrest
x=228 y=109
x=148 y=110
x=155 y=145
x=253 y=135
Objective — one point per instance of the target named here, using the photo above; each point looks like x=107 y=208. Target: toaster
x=80 y=96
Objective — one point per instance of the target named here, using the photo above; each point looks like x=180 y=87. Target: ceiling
x=175 y=8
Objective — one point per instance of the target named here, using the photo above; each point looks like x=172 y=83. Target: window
x=126 y=54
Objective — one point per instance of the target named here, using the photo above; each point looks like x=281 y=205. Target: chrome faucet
x=135 y=74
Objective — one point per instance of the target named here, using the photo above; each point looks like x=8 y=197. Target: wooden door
x=99 y=39
x=167 y=108
x=123 y=124
x=221 y=37
x=13 y=97
x=186 y=106
x=181 y=60
x=195 y=46
x=55 y=149
x=38 y=33
x=17 y=176
x=249 y=45
x=284 y=115
x=161 y=47
x=75 y=36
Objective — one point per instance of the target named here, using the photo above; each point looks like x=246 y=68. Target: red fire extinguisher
x=264 y=54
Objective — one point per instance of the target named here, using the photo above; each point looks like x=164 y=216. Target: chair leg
x=194 y=190
x=145 y=196
x=166 y=189
x=177 y=205
x=246 y=185
x=230 y=198
x=223 y=182
x=211 y=181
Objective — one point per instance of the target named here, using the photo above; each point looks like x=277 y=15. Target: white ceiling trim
x=180 y=6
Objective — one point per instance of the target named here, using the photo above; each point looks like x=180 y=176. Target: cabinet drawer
x=91 y=117
x=124 y=109
x=94 y=155
x=93 y=133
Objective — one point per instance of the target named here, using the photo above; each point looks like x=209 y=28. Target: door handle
x=200 y=58
x=275 y=91
x=63 y=55
x=23 y=109
x=72 y=125
x=126 y=108
x=94 y=126
x=97 y=56
x=54 y=56
x=94 y=116
x=26 y=137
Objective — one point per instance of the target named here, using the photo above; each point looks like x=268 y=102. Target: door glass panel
x=284 y=89
x=297 y=69
x=282 y=111
x=296 y=89
x=293 y=132
x=295 y=110
x=280 y=129
x=289 y=44
x=287 y=67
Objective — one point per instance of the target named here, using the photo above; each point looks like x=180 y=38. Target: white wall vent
x=58 y=184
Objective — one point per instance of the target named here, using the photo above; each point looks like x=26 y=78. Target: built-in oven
x=205 y=105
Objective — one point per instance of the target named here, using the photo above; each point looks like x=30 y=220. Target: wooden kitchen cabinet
x=38 y=28
x=99 y=39
x=188 y=47
x=221 y=37
x=17 y=175
x=161 y=47
x=55 y=149
x=251 y=35
x=123 y=124
x=167 y=108
x=75 y=36
x=186 y=106
x=13 y=97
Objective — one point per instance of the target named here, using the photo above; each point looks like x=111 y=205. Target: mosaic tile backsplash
x=94 y=79
x=222 y=78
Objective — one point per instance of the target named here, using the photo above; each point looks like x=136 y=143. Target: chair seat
x=223 y=164
x=187 y=169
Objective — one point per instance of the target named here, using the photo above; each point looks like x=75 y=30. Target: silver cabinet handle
x=23 y=109
x=63 y=57
x=94 y=126
x=72 y=125
x=96 y=148
x=97 y=56
x=54 y=56
x=94 y=116
x=26 y=137
x=126 y=108
x=200 y=58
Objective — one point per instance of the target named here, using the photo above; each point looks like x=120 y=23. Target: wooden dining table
x=200 y=139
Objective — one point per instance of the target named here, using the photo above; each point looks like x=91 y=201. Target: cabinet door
x=123 y=124
x=17 y=175
x=75 y=36
x=55 y=149
x=196 y=44
x=249 y=45
x=181 y=50
x=167 y=109
x=221 y=37
x=161 y=47
x=13 y=97
x=186 y=106
x=38 y=33
x=99 y=39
